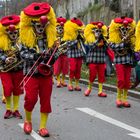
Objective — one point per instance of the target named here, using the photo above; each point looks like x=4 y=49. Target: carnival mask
x=12 y=32
x=60 y=29
x=124 y=30
x=40 y=26
x=97 y=32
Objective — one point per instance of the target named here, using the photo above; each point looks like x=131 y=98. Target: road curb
x=131 y=93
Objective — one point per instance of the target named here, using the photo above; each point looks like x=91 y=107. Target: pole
x=135 y=10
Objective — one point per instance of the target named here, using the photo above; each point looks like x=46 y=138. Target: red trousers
x=95 y=69
x=11 y=83
x=75 y=67
x=123 y=73
x=61 y=65
x=38 y=86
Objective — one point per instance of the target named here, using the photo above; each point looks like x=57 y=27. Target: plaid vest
x=96 y=54
x=123 y=53
x=30 y=55
x=73 y=50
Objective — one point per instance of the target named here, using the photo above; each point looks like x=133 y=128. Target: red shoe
x=126 y=104
x=87 y=92
x=77 y=88
x=58 y=85
x=102 y=94
x=16 y=114
x=27 y=127
x=70 y=88
x=119 y=103
x=64 y=84
x=8 y=114
x=43 y=132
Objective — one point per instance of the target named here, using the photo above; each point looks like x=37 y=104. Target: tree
x=115 y=6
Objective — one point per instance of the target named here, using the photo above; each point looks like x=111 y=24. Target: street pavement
x=75 y=117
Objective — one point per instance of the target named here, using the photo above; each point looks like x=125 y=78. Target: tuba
x=15 y=61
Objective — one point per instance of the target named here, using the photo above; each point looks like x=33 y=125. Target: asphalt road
x=76 y=117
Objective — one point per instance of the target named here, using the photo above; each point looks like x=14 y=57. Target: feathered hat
x=37 y=12
x=71 y=28
x=114 y=33
x=11 y=23
x=137 y=45
x=88 y=33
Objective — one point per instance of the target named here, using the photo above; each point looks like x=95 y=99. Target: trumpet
x=62 y=49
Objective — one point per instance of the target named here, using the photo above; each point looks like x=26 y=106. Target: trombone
x=44 y=69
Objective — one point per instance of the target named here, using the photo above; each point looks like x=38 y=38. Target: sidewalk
x=131 y=93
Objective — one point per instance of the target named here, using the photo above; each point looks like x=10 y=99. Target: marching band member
x=121 y=36
x=95 y=34
x=137 y=55
x=9 y=55
x=72 y=35
x=61 y=65
x=37 y=35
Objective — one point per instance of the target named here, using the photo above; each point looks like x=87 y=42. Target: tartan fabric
x=73 y=50
x=30 y=55
x=3 y=56
x=29 y=59
x=96 y=54
x=125 y=59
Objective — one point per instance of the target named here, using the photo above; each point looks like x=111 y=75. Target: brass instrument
x=126 y=38
x=61 y=49
x=81 y=41
x=43 y=68
x=13 y=60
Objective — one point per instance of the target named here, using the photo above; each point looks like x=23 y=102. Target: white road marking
x=33 y=134
x=136 y=132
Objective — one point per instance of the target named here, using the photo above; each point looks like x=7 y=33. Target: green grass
x=111 y=80
x=85 y=72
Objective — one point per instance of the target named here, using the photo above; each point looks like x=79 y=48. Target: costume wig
x=27 y=35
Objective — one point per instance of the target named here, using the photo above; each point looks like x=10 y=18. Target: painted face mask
x=124 y=31
x=60 y=29
x=12 y=32
x=40 y=26
x=97 y=32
